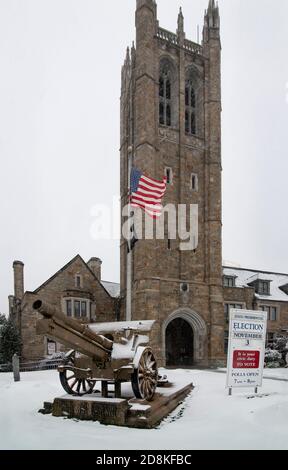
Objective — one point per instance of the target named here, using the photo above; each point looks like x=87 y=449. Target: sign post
x=246 y=353
x=16 y=368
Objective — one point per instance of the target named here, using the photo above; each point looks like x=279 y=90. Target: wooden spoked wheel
x=145 y=377
x=73 y=385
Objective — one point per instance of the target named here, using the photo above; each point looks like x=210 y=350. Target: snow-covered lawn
x=276 y=373
x=208 y=419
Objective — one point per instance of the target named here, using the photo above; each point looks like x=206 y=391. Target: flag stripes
x=147 y=193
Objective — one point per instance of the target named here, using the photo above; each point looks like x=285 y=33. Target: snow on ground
x=208 y=419
x=276 y=374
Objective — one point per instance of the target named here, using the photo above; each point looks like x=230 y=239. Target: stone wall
x=54 y=291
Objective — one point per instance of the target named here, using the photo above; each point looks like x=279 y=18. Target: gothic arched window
x=165 y=96
x=190 y=108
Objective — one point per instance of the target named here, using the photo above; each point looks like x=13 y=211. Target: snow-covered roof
x=113 y=288
x=244 y=277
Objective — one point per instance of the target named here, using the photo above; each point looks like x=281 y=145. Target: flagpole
x=129 y=252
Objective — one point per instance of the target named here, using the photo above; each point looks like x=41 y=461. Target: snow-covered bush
x=272 y=355
x=276 y=353
x=281 y=344
x=273 y=358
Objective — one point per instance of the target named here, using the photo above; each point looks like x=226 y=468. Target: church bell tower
x=171 y=125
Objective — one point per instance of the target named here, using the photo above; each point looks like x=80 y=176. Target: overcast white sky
x=60 y=63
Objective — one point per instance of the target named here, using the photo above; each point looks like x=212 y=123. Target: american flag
x=147 y=193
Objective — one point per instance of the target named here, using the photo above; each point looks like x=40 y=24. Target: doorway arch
x=194 y=336
x=179 y=343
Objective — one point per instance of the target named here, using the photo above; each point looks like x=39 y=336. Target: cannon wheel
x=71 y=384
x=144 y=378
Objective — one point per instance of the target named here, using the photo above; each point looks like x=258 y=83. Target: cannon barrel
x=72 y=333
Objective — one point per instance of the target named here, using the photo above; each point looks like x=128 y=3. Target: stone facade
x=178 y=131
x=76 y=287
x=156 y=143
x=242 y=290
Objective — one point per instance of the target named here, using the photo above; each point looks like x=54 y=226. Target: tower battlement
x=173 y=39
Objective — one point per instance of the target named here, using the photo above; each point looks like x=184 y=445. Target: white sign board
x=51 y=348
x=246 y=353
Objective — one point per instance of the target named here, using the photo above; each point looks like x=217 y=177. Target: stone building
x=77 y=289
x=170 y=124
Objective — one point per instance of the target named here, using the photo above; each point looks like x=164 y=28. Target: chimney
x=11 y=305
x=18 y=267
x=95 y=265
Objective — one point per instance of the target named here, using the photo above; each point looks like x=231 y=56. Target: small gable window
x=229 y=281
x=263 y=288
x=78 y=281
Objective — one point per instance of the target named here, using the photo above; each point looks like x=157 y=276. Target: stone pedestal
x=87 y=408
x=127 y=411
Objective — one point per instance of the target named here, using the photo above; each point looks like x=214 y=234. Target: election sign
x=246 y=353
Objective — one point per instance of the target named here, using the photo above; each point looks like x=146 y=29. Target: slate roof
x=245 y=276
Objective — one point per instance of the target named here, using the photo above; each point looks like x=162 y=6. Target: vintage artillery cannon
x=96 y=358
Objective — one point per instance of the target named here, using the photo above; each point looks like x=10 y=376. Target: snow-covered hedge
x=276 y=353
x=273 y=358
x=272 y=355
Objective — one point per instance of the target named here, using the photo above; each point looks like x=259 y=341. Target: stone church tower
x=171 y=124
